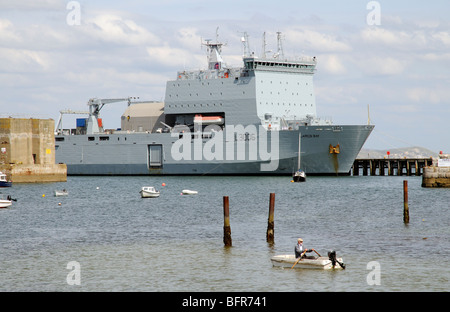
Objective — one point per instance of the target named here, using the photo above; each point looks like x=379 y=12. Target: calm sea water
x=174 y=243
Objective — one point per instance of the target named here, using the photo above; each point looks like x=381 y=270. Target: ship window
x=104 y=138
x=59 y=139
x=91 y=138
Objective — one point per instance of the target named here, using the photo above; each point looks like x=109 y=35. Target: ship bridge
x=305 y=65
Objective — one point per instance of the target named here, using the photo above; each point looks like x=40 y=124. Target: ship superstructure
x=224 y=120
x=274 y=92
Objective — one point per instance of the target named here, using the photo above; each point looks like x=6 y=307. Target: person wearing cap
x=299 y=249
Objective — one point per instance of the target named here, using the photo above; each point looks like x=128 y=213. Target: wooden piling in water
x=270 y=222
x=405 y=202
x=226 y=222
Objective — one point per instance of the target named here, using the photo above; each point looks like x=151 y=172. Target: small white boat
x=149 y=192
x=3 y=181
x=61 y=193
x=5 y=202
x=321 y=263
x=189 y=192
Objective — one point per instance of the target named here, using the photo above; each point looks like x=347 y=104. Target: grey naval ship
x=258 y=119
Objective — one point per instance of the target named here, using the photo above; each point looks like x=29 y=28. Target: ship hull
x=325 y=150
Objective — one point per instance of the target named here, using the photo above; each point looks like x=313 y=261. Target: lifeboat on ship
x=208 y=120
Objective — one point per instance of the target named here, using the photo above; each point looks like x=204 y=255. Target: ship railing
x=209 y=74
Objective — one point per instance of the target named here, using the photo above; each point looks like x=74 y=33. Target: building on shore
x=27 y=151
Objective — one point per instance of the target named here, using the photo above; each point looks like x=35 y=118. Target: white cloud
x=7 y=32
x=379 y=65
x=23 y=60
x=174 y=57
x=317 y=41
x=331 y=63
x=400 y=39
x=444 y=56
x=189 y=38
x=32 y=5
x=443 y=37
x=115 y=29
x=426 y=95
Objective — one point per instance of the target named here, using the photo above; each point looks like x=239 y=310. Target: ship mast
x=264 y=46
x=280 y=46
x=214 y=50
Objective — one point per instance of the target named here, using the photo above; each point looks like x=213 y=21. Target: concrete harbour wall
x=27 y=151
x=436 y=177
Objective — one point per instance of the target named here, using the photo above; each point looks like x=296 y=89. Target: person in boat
x=300 y=249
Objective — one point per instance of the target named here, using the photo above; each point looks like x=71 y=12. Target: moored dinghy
x=63 y=192
x=189 y=192
x=321 y=263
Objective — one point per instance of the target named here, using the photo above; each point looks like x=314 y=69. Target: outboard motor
x=332 y=257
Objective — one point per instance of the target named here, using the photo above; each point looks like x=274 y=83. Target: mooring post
x=226 y=222
x=405 y=202
x=270 y=222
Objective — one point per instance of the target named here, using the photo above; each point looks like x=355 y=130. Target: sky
x=387 y=62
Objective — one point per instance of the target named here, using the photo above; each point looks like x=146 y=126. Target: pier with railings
x=390 y=166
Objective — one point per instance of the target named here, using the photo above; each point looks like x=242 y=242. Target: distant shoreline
x=409 y=152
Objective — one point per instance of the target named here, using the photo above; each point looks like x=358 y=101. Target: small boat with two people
x=310 y=262
x=149 y=192
x=3 y=181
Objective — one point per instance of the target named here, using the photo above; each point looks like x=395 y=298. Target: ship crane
x=59 y=129
x=95 y=106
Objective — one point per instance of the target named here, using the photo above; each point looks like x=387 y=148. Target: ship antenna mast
x=280 y=45
x=245 y=44
x=264 y=46
x=214 y=51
